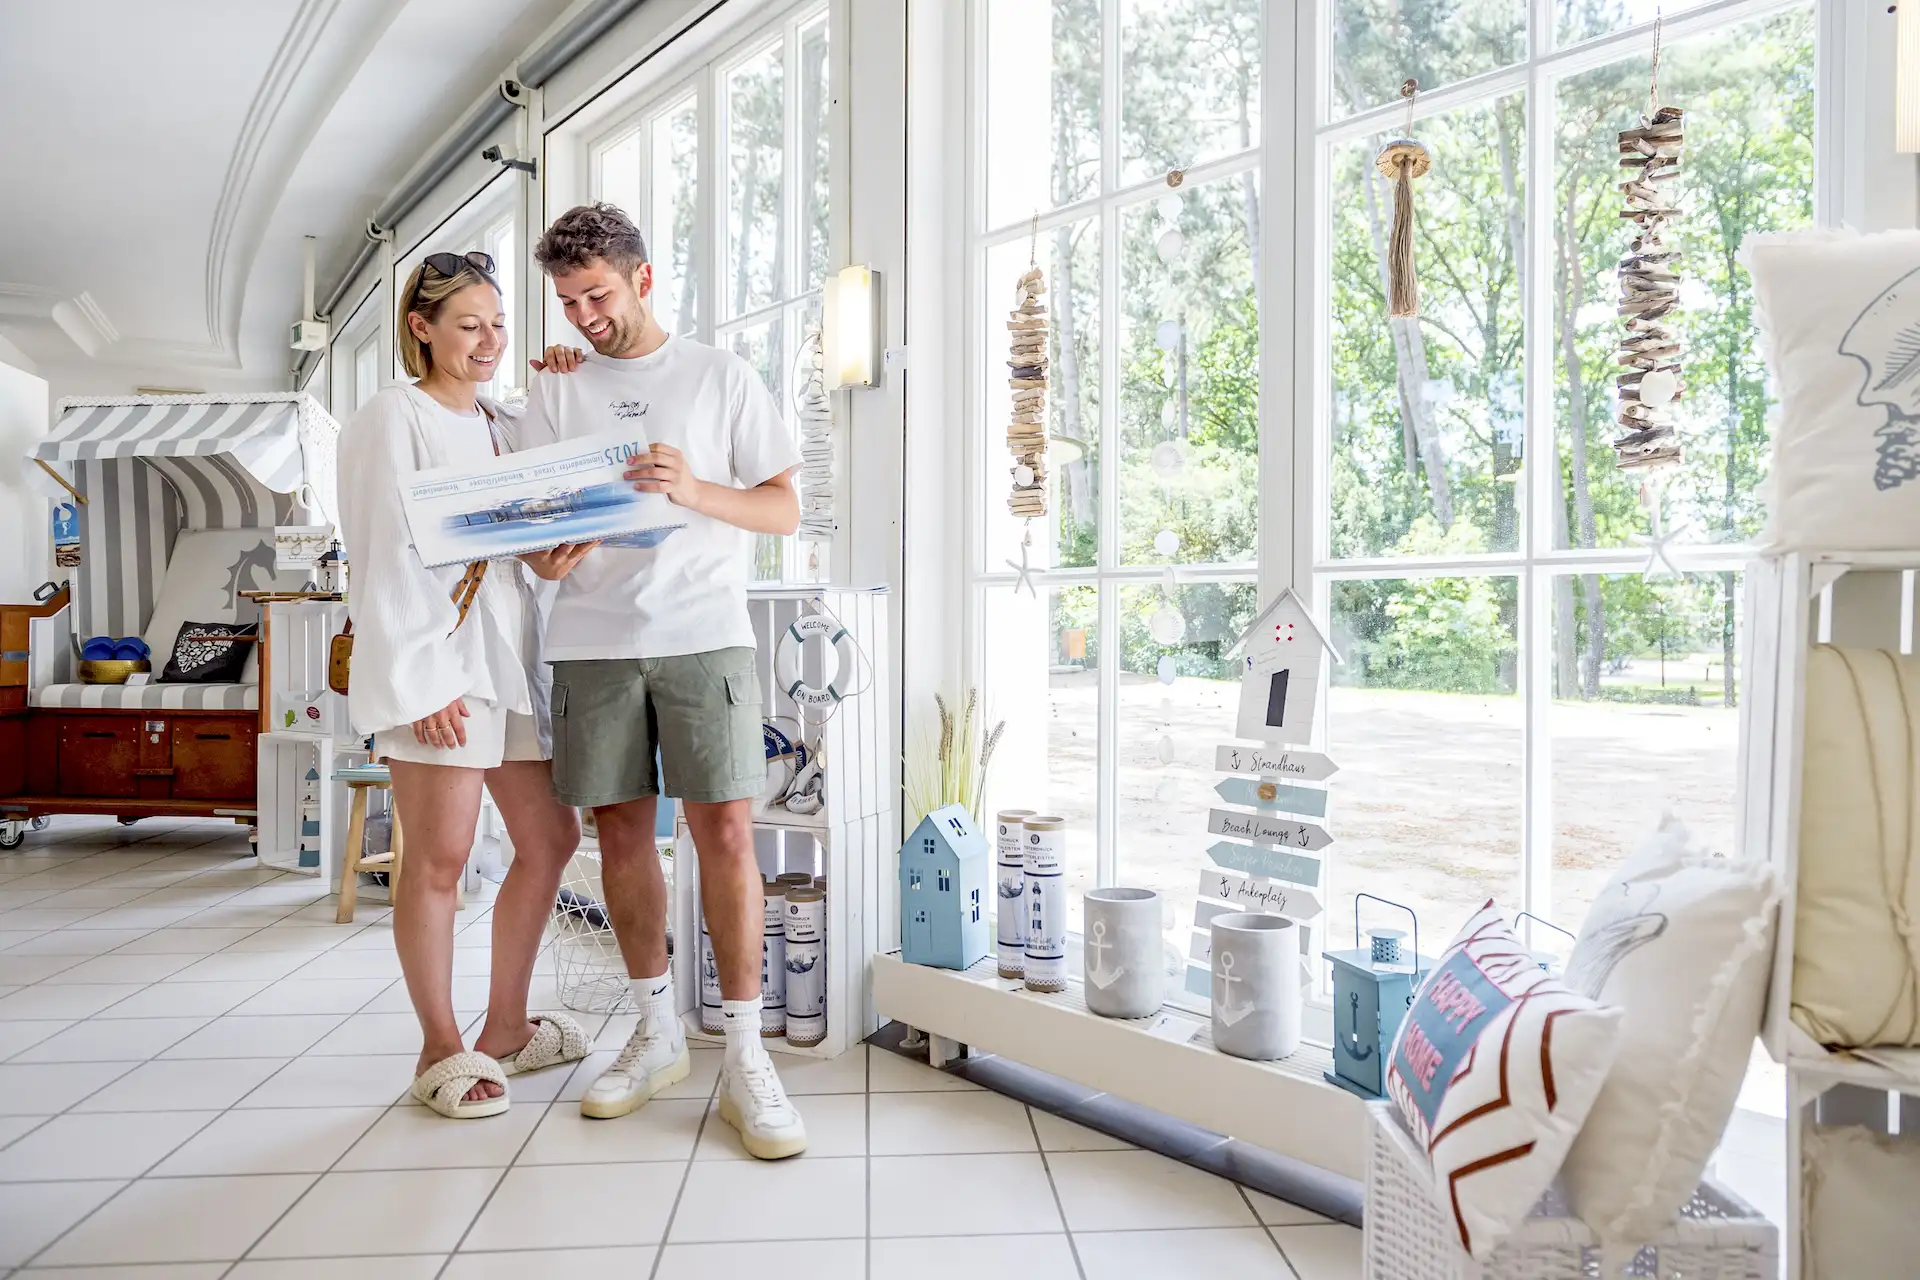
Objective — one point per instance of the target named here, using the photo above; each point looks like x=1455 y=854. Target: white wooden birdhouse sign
x=1279 y=657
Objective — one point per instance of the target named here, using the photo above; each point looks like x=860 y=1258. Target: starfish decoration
x=1658 y=544
x=1022 y=570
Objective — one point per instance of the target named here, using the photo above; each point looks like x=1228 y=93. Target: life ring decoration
x=835 y=689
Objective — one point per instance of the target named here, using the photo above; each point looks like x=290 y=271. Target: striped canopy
x=270 y=437
x=147 y=467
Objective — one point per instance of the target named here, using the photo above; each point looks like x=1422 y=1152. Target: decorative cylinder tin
x=795 y=879
x=1125 y=974
x=820 y=883
x=1257 y=971
x=1011 y=911
x=1044 y=842
x=712 y=1020
x=773 y=960
x=806 y=966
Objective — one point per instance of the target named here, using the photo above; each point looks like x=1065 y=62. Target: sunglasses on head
x=449 y=264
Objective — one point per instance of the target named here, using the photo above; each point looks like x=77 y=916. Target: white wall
x=24 y=559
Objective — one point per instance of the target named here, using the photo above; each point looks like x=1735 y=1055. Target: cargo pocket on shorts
x=747 y=743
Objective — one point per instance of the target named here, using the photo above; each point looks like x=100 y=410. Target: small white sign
x=1274 y=762
x=1268 y=829
x=1289 y=900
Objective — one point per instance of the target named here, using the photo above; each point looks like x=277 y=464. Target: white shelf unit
x=1166 y=1062
x=284 y=760
x=852 y=840
x=298 y=633
x=1860 y=599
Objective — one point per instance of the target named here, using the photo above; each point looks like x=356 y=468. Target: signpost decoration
x=1267 y=866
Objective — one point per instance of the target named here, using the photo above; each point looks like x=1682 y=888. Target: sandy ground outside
x=1426 y=809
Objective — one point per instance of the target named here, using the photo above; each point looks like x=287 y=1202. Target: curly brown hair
x=590 y=232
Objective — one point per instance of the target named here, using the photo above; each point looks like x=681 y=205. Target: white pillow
x=1840 y=321
x=1681 y=941
x=1859 y=864
x=1493 y=1069
x=208 y=570
x=1861 y=1191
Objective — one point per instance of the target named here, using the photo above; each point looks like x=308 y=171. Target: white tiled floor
x=202 y=1077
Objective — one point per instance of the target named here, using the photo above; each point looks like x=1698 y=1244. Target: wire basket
x=588 y=972
x=1408 y=1236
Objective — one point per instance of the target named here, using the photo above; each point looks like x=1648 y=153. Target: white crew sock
x=742 y=1023
x=654 y=998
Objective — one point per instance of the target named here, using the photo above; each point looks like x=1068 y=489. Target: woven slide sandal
x=444 y=1085
x=558 y=1039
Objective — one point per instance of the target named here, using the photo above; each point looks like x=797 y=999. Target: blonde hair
x=425 y=298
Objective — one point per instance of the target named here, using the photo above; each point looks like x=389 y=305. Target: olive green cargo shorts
x=700 y=710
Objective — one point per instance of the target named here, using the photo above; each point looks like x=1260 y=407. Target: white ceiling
x=163 y=162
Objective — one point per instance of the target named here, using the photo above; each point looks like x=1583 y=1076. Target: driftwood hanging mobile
x=1401 y=162
x=1649 y=383
x=1027 y=370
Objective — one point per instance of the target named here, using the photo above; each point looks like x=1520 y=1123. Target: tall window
x=1520 y=696
x=726 y=176
x=1119 y=149
x=366 y=368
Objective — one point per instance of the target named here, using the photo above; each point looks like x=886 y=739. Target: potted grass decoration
x=948 y=764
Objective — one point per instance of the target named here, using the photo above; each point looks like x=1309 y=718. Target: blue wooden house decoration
x=945 y=869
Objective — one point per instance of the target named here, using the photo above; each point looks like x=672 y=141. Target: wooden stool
x=356 y=841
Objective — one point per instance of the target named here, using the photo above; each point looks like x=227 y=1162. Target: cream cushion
x=1857 y=909
x=1681 y=941
x=1838 y=314
x=1861 y=1192
x=205 y=575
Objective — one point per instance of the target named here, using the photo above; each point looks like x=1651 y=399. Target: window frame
x=1536 y=563
x=1272 y=158
x=704 y=84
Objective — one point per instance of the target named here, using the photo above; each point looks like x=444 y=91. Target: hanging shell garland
x=1027 y=366
x=1650 y=384
x=815 y=411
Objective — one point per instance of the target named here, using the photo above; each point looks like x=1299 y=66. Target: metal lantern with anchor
x=1373 y=987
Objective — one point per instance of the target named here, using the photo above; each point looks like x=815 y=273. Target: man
x=654 y=649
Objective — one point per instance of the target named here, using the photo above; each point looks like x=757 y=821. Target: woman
x=449 y=691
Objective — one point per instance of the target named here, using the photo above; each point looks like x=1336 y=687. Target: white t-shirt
x=689 y=594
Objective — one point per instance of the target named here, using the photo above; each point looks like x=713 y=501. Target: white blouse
x=409 y=657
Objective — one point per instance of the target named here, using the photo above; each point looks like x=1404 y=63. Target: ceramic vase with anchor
x=1125 y=974
x=1257 y=968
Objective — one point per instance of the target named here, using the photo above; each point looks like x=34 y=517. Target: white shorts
x=493 y=735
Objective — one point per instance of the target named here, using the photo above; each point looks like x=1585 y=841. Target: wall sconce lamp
x=1906 y=78
x=854 y=321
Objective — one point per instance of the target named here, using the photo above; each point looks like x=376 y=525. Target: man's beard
x=622 y=336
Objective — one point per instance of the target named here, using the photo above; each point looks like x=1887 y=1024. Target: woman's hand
x=444 y=728
x=664 y=470
x=559 y=359
x=558 y=562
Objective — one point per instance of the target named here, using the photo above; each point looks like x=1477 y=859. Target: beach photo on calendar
x=573 y=491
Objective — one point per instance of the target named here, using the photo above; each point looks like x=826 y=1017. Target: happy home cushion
x=1681 y=941
x=1494 y=1069
x=1840 y=323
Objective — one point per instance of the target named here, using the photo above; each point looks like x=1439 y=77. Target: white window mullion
x=710 y=203
x=1106 y=841
x=1539 y=481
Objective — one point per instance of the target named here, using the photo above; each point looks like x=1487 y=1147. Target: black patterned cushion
x=210 y=652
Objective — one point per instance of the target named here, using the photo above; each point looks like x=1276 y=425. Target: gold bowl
x=110 y=670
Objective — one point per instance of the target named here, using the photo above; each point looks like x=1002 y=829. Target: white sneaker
x=650 y=1062
x=753 y=1101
